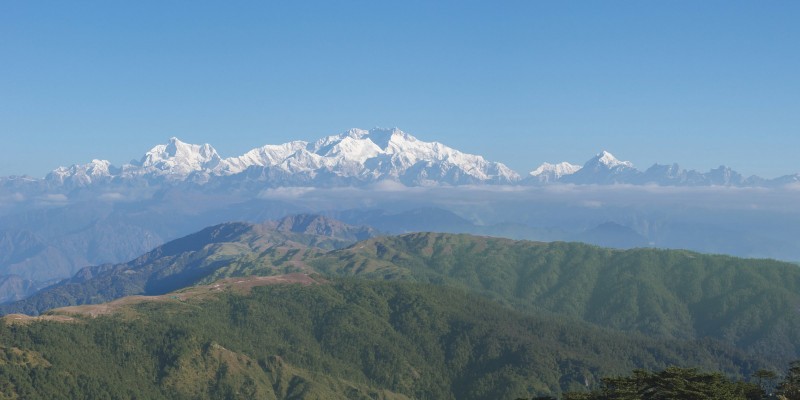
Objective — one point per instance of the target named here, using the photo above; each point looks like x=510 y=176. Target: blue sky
x=698 y=83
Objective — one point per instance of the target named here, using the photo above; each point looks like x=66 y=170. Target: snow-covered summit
x=608 y=160
x=261 y=157
x=604 y=169
x=177 y=158
x=360 y=145
x=547 y=172
x=80 y=175
x=354 y=145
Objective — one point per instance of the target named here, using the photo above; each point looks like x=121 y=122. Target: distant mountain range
x=359 y=157
x=605 y=169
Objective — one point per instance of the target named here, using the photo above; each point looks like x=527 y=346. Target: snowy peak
x=354 y=146
x=269 y=155
x=547 y=172
x=608 y=160
x=560 y=169
x=603 y=169
x=80 y=175
x=180 y=153
x=358 y=144
x=178 y=158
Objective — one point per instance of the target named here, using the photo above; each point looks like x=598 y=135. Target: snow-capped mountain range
x=354 y=157
x=359 y=157
x=605 y=169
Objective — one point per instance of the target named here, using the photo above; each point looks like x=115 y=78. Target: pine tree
x=790 y=386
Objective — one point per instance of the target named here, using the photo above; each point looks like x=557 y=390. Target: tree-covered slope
x=339 y=339
x=750 y=303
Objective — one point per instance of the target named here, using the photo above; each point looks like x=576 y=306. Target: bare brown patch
x=23 y=319
x=240 y=285
x=94 y=310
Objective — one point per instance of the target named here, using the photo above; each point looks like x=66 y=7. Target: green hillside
x=665 y=294
x=752 y=304
x=338 y=339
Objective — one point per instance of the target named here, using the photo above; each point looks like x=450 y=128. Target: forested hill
x=234 y=248
x=340 y=339
x=751 y=303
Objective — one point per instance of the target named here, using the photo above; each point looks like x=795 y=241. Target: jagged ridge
x=359 y=157
x=354 y=157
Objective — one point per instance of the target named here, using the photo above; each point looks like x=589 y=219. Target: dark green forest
x=691 y=383
x=341 y=339
x=749 y=303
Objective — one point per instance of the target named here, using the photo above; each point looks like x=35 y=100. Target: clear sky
x=701 y=83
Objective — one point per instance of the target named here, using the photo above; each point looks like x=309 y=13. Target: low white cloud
x=591 y=204
x=15 y=197
x=52 y=199
x=581 y=196
x=390 y=186
x=285 y=193
x=794 y=186
x=112 y=196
